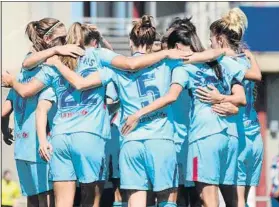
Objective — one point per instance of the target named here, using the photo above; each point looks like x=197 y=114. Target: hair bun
x=236 y=20
x=146 y=21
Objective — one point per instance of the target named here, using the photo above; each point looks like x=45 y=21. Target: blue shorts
x=213 y=159
x=250 y=160
x=112 y=153
x=78 y=156
x=148 y=165
x=33 y=177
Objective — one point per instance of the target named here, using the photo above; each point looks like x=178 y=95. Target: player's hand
x=8 y=138
x=45 y=150
x=69 y=50
x=225 y=109
x=209 y=94
x=130 y=124
x=7 y=79
x=178 y=54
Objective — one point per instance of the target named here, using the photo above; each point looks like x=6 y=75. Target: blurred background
x=114 y=20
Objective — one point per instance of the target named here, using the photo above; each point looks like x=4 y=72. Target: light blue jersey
x=181 y=108
x=26 y=141
x=249 y=118
x=79 y=111
x=203 y=121
x=139 y=89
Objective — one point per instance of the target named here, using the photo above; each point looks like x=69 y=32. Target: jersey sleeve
x=45 y=75
x=107 y=75
x=11 y=95
x=180 y=76
x=48 y=94
x=174 y=63
x=106 y=56
x=233 y=68
x=111 y=91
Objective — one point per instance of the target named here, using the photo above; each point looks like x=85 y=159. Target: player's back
x=248 y=115
x=139 y=89
x=26 y=144
x=77 y=110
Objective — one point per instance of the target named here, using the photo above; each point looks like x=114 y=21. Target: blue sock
x=119 y=204
x=167 y=204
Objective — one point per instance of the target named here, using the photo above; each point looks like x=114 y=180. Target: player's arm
x=42 y=110
x=37 y=58
x=225 y=109
x=7 y=109
x=254 y=73
x=207 y=55
x=142 y=61
x=25 y=90
x=77 y=81
x=211 y=95
x=170 y=97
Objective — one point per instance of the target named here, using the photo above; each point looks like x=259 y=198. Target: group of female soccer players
x=169 y=124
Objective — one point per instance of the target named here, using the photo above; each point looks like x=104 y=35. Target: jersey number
x=67 y=99
x=144 y=89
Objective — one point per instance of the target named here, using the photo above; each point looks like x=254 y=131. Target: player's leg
x=162 y=170
x=204 y=154
x=182 y=196
x=254 y=167
x=194 y=196
x=64 y=192
x=245 y=154
x=46 y=199
x=120 y=197
x=133 y=173
x=88 y=157
x=62 y=171
x=209 y=194
x=32 y=201
x=34 y=182
x=228 y=186
x=151 y=199
x=91 y=193
x=136 y=198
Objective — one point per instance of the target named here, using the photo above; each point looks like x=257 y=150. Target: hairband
x=54 y=26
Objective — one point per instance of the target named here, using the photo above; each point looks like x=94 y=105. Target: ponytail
x=232 y=26
x=143 y=32
x=82 y=35
x=31 y=31
x=37 y=30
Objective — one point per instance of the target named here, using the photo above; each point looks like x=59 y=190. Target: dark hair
x=36 y=30
x=190 y=38
x=81 y=34
x=232 y=26
x=183 y=24
x=143 y=32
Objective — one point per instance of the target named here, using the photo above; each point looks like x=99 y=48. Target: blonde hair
x=236 y=20
x=232 y=25
x=80 y=34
